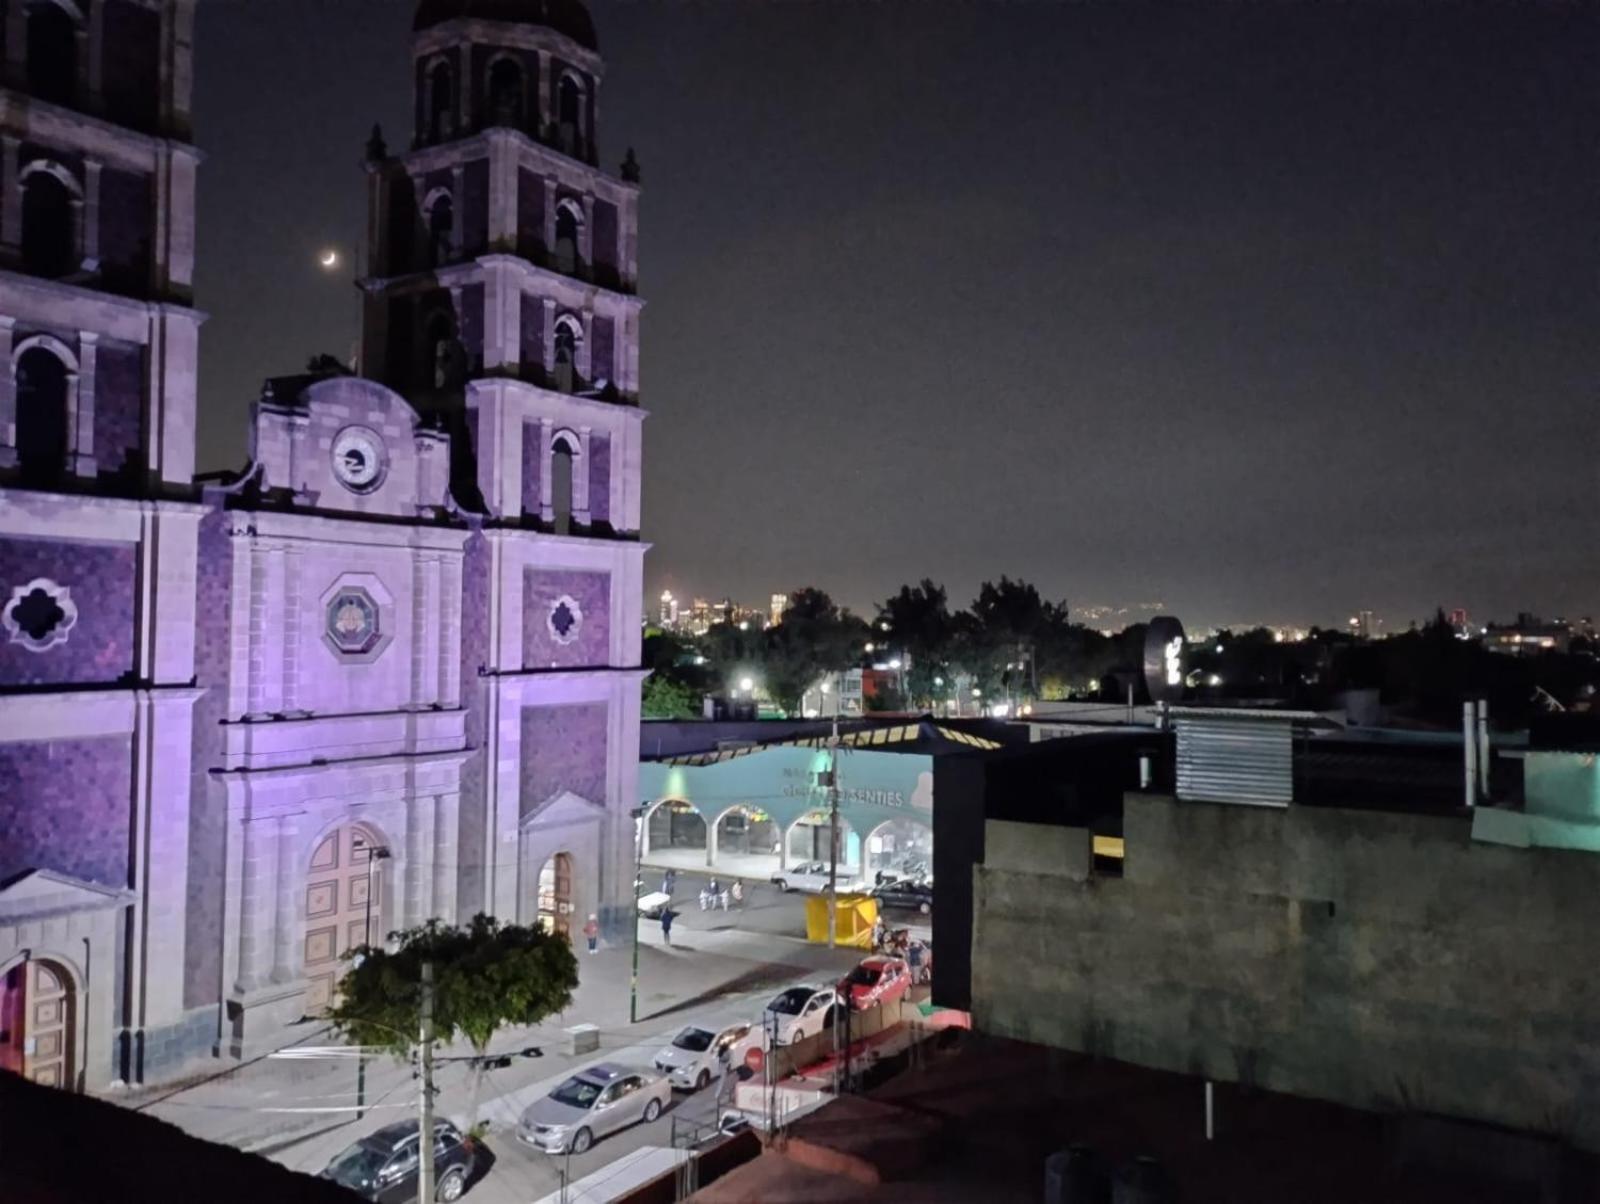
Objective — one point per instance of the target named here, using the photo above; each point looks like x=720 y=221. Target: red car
x=876 y=980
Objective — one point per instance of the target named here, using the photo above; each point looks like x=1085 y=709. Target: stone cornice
x=27 y=117
x=507 y=34
x=574 y=172
x=466 y=272
x=47 y=290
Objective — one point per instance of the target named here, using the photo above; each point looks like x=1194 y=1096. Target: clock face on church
x=358 y=458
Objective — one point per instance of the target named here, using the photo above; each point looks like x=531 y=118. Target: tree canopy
x=487 y=975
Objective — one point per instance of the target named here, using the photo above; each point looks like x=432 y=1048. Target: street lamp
x=746 y=685
x=375 y=854
x=638 y=814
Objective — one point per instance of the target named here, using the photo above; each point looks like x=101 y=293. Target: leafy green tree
x=816 y=637
x=666 y=698
x=486 y=975
x=916 y=623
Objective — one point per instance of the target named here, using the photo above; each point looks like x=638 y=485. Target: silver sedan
x=591 y=1104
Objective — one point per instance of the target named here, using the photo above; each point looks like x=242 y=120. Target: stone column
x=95 y=51
x=81 y=452
x=586 y=235
x=11 y=186
x=580 y=479
x=711 y=843
x=250 y=904
x=286 y=885
x=449 y=631
x=458 y=205
x=584 y=367
x=446 y=811
x=550 y=215
x=419 y=860
x=91 y=215
x=548 y=338
x=545 y=90
x=8 y=394
x=290 y=628
x=547 y=484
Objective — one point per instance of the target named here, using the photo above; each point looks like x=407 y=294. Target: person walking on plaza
x=737 y=891
x=668 y=881
x=666 y=924
x=591 y=931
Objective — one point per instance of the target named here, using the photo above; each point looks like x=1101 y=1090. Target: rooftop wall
x=1375 y=959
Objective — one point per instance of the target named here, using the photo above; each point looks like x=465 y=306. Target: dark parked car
x=383 y=1166
x=905 y=895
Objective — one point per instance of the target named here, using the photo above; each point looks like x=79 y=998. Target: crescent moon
x=329 y=258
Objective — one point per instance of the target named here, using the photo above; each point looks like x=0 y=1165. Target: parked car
x=696 y=1054
x=810 y=876
x=591 y=1104
x=905 y=895
x=383 y=1166
x=877 y=980
x=801 y=1012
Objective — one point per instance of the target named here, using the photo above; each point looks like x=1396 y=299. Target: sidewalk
x=748 y=867
x=702 y=969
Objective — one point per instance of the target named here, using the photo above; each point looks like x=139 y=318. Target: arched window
x=569 y=114
x=566 y=248
x=42 y=399
x=441 y=102
x=52 y=51
x=563 y=465
x=568 y=337
x=441 y=228
x=49 y=225
x=505 y=93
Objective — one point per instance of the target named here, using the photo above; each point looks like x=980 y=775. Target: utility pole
x=833 y=833
x=638 y=883
x=425 y=1100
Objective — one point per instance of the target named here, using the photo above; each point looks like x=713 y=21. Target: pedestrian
x=592 y=931
x=880 y=934
x=723 y=898
x=738 y=893
x=705 y=898
x=668 y=881
x=666 y=924
x=914 y=958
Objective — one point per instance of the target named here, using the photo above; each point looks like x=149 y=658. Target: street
x=721 y=967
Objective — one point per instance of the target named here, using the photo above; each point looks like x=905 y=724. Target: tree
x=917 y=624
x=816 y=637
x=486 y=975
x=667 y=698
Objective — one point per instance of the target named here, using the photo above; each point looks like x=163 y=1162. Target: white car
x=697 y=1054
x=811 y=876
x=801 y=1012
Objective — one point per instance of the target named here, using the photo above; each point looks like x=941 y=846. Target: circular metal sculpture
x=1163 y=659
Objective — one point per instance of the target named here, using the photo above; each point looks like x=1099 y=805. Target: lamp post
x=375 y=854
x=638 y=814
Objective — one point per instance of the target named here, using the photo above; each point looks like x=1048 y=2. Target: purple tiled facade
x=118 y=406
x=99 y=646
x=563 y=748
x=64 y=804
x=542 y=592
x=600 y=480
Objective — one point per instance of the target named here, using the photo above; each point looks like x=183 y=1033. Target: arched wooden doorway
x=344 y=902
x=37 y=1005
x=555 y=895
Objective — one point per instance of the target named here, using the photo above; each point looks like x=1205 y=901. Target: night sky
x=1268 y=312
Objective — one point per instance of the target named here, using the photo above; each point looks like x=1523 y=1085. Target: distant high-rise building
x=780 y=603
x=1364 y=624
x=669 y=610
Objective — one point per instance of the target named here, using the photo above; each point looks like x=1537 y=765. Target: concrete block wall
x=1374 y=959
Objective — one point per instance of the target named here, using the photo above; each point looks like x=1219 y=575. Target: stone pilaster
x=91 y=215
x=8 y=393
x=287 y=886
x=82 y=449
x=10 y=187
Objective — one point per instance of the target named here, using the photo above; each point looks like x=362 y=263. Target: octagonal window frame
x=382 y=603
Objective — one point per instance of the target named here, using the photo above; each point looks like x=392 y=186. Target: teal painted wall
x=874 y=786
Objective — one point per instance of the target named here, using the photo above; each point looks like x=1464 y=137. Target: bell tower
x=501 y=282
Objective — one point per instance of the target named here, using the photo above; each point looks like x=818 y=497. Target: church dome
x=568 y=17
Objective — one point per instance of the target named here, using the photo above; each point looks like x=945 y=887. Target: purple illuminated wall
x=541 y=589
x=474 y=696
x=207 y=811
x=563 y=748
x=64 y=805
x=118 y=406
x=530 y=215
x=532 y=322
x=600 y=478
x=602 y=361
x=125 y=219
x=475 y=207
x=99 y=647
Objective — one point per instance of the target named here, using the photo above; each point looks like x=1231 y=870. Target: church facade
x=389 y=670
